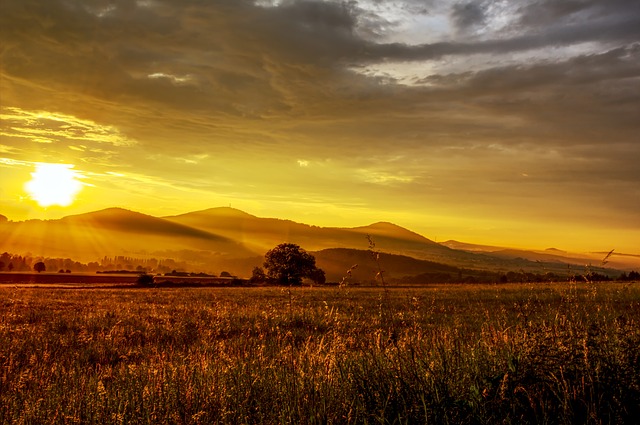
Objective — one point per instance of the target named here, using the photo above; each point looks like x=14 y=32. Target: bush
x=145 y=279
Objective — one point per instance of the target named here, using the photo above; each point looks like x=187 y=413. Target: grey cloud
x=616 y=64
x=626 y=30
x=468 y=15
x=543 y=12
x=253 y=70
x=191 y=36
x=228 y=46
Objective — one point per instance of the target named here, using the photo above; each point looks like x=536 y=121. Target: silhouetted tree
x=258 y=275
x=145 y=279
x=318 y=277
x=39 y=267
x=288 y=264
x=1 y=266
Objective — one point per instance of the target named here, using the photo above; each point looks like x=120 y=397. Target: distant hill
x=125 y=221
x=337 y=261
x=555 y=251
x=261 y=234
x=551 y=256
x=390 y=230
x=470 y=247
x=113 y=231
x=227 y=238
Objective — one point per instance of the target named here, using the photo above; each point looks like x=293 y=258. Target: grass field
x=558 y=353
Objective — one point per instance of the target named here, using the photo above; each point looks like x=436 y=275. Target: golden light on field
x=54 y=184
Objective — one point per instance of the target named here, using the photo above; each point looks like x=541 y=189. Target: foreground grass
x=459 y=354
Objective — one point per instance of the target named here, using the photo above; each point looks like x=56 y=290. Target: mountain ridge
x=224 y=233
x=122 y=219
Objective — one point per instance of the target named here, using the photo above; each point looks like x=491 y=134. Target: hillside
x=337 y=261
x=552 y=256
x=114 y=231
x=125 y=221
x=261 y=234
x=226 y=238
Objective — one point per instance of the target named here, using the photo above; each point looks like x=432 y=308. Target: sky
x=512 y=123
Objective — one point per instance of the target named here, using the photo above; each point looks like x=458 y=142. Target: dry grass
x=457 y=354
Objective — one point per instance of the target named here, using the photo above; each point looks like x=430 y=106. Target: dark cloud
x=468 y=15
x=626 y=30
x=549 y=12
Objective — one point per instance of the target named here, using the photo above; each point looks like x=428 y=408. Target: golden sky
x=510 y=123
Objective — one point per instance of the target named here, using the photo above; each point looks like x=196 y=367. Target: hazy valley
x=228 y=239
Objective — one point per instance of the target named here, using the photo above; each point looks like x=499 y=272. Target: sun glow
x=54 y=184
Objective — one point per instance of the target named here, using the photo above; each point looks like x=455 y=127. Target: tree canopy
x=39 y=267
x=288 y=264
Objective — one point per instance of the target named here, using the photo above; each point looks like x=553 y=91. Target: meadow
x=459 y=354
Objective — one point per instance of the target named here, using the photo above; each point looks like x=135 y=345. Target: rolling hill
x=261 y=234
x=230 y=239
x=114 y=231
x=337 y=261
x=614 y=259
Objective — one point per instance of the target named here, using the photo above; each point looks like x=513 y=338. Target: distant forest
x=24 y=263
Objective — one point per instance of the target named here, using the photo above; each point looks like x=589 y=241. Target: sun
x=54 y=184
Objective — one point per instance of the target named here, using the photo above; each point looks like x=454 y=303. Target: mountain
x=125 y=221
x=113 y=231
x=229 y=239
x=552 y=256
x=469 y=247
x=337 y=261
x=261 y=234
x=390 y=230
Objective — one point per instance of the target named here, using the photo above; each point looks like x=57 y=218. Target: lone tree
x=288 y=264
x=39 y=267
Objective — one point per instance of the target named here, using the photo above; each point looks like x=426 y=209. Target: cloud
x=47 y=127
x=209 y=90
x=6 y=149
x=468 y=15
x=383 y=177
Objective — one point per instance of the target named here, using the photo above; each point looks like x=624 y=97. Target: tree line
x=24 y=263
x=289 y=264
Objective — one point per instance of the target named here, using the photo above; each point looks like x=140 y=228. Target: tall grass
x=482 y=354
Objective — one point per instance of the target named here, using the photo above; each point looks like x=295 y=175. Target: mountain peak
x=229 y=211
x=385 y=225
x=107 y=212
x=108 y=216
x=387 y=229
x=226 y=212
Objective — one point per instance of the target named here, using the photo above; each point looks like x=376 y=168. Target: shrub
x=145 y=279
